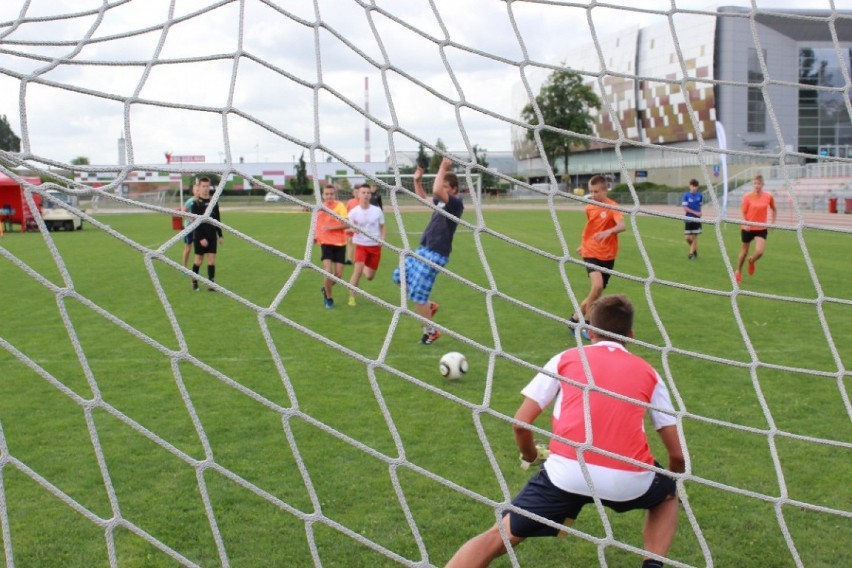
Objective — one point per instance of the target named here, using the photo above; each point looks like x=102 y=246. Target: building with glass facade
x=777 y=80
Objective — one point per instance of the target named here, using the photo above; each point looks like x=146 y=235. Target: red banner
x=187 y=159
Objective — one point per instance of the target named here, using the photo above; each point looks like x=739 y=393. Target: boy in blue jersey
x=692 y=201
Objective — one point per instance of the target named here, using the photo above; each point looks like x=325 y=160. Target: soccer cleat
x=738 y=276
x=195 y=285
x=352 y=301
x=695 y=254
x=584 y=333
x=324 y=297
x=433 y=309
x=430 y=337
x=329 y=303
x=751 y=268
x=691 y=256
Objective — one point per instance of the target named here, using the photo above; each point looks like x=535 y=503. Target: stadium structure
x=777 y=80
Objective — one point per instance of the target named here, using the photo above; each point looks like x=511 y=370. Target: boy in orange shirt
x=330 y=234
x=755 y=207
x=599 y=245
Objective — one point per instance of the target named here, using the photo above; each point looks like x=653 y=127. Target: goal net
x=142 y=423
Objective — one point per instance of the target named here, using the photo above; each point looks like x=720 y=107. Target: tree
x=565 y=103
x=435 y=162
x=9 y=141
x=80 y=161
x=299 y=183
x=489 y=180
x=422 y=159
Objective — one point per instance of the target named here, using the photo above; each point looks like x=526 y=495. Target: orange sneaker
x=430 y=337
x=750 y=268
x=738 y=277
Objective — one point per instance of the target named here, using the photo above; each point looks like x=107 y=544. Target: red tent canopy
x=13 y=206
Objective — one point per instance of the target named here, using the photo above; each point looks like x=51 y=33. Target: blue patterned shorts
x=419 y=276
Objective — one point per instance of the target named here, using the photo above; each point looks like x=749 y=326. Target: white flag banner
x=723 y=158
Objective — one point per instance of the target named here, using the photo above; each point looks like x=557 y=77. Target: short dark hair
x=613 y=315
x=452 y=179
x=693 y=182
x=367 y=185
x=598 y=180
x=203 y=178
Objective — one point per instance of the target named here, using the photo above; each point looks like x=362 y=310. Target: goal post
x=143 y=423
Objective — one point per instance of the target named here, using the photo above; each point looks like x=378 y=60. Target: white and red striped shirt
x=616 y=420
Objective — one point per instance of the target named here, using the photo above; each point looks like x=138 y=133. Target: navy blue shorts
x=692 y=228
x=187 y=240
x=542 y=497
x=596 y=262
x=748 y=236
x=334 y=253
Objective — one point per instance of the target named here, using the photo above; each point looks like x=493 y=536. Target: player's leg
x=742 y=256
x=482 y=549
x=327 y=282
x=187 y=249
x=358 y=269
x=596 y=280
x=660 y=526
x=759 y=247
x=196 y=264
x=211 y=268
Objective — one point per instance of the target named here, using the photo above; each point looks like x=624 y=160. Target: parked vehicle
x=56 y=217
x=272 y=198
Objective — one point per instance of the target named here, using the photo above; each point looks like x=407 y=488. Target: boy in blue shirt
x=692 y=201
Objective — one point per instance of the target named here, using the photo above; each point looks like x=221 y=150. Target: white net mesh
x=248 y=427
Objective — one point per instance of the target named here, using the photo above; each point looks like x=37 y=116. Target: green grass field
x=305 y=433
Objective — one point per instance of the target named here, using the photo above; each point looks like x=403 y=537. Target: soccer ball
x=453 y=365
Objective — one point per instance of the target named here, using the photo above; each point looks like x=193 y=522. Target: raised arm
x=418 y=183
x=440 y=190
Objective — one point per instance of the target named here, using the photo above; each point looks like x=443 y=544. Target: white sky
x=285 y=57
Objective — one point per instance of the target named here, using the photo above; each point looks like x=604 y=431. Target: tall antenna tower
x=122 y=150
x=366 y=119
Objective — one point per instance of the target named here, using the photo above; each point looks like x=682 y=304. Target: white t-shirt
x=369 y=220
x=615 y=481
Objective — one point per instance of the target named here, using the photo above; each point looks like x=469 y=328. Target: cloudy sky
x=261 y=80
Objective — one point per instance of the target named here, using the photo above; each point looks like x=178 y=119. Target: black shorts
x=542 y=497
x=334 y=253
x=209 y=249
x=596 y=262
x=692 y=228
x=748 y=236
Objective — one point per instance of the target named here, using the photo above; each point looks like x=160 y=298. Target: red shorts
x=370 y=256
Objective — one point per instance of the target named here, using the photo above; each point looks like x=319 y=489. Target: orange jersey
x=756 y=208
x=325 y=219
x=352 y=203
x=600 y=219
